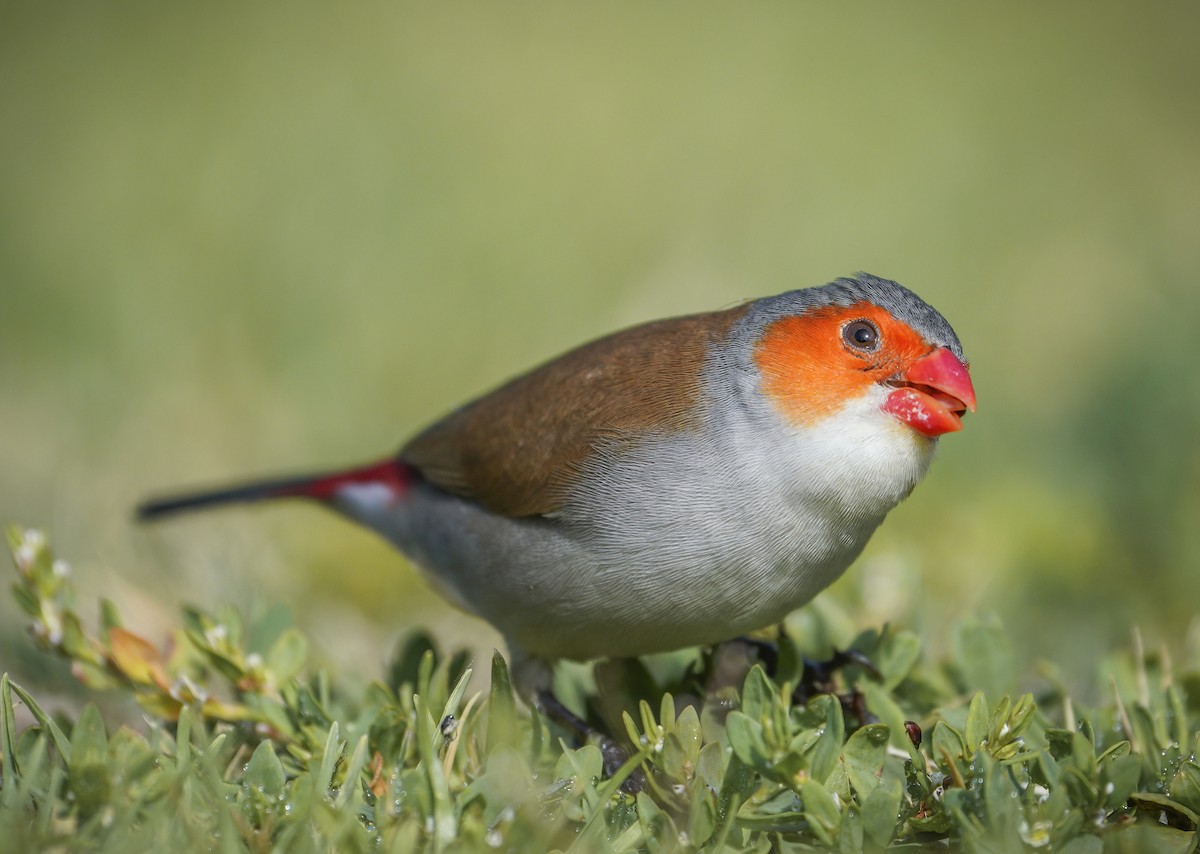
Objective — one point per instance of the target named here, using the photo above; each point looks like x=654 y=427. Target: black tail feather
x=392 y=472
x=156 y=508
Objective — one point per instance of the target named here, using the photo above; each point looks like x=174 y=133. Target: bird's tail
x=392 y=474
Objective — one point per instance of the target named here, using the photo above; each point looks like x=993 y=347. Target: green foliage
x=248 y=749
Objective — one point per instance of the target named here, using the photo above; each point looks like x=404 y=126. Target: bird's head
x=821 y=348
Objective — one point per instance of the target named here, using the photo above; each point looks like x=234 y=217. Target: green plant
x=248 y=748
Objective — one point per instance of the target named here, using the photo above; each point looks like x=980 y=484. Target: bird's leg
x=767 y=652
x=728 y=663
x=533 y=677
x=613 y=754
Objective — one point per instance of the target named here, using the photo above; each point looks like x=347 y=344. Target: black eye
x=861 y=335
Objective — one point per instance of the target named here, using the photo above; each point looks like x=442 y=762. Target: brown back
x=518 y=450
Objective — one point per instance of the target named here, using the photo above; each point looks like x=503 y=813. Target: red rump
x=393 y=474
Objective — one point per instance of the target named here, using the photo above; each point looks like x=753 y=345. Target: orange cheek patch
x=807 y=371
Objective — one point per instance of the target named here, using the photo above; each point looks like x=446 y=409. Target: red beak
x=933 y=394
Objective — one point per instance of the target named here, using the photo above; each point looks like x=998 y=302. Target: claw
x=613 y=754
x=817 y=678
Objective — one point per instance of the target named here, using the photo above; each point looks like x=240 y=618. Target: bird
x=678 y=483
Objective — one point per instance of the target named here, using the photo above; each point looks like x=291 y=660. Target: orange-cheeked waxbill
x=678 y=483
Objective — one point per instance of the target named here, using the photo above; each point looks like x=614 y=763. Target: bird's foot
x=817 y=678
x=613 y=754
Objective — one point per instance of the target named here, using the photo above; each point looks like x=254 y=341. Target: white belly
x=677 y=542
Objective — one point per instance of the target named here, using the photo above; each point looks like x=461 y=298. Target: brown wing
x=517 y=450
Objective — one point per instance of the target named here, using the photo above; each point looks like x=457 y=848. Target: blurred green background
x=262 y=238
